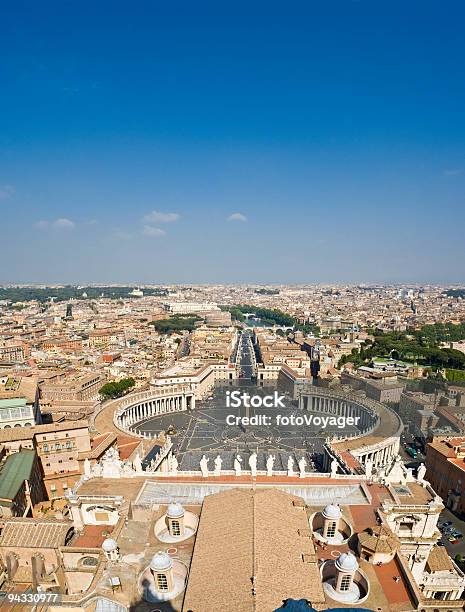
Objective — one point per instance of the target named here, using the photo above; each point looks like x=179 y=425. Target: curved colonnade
x=379 y=438
x=139 y=407
x=377 y=442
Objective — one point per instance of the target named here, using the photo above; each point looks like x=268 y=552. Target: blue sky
x=232 y=142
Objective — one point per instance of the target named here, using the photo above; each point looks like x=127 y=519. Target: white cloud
x=6 y=191
x=161 y=217
x=153 y=231
x=453 y=172
x=63 y=223
x=237 y=217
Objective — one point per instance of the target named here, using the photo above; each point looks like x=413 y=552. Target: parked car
x=447 y=523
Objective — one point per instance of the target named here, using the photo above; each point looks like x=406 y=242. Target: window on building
x=45 y=448
x=47 y=464
x=405 y=528
x=68 y=444
x=176 y=528
x=57 y=446
x=345 y=582
x=162 y=582
x=331 y=529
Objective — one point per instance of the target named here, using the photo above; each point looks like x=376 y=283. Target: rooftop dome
x=347 y=562
x=109 y=544
x=160 y=561
x=175 y=510
x=332 y=512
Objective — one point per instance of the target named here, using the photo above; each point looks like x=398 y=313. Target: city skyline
x=212 y=145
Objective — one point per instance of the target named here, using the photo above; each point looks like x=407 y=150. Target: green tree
x=112 y=390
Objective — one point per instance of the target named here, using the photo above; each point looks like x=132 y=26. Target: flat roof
x=13 y=403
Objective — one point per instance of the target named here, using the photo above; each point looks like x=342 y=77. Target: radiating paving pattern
x=205 y=430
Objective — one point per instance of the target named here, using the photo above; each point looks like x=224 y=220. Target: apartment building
x=59 y=448
x=445 y=464
x=11 y=353
x=105 y=337
x=417 y=410
x=190 y=307
x=83 y=387
x=61 y=343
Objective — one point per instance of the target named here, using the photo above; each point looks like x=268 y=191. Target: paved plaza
x=205 y=430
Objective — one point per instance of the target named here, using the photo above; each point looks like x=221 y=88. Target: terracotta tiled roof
x=34 y=533
x=379 y=539
x=249 y=542
x=439 y=560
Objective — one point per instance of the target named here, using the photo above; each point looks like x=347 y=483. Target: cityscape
x=232 y=306
x=143 y=426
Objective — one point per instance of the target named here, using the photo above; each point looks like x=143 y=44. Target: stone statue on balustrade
x=218 y=464
x=237 y=465
x=204 y=466
x=334 y=468
x=137 y=464
x=421 y=472
x=173 y=465
x=111 y=464
x=269 y=465
x=253 y=464
x=290 y=466
x=302 y=466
